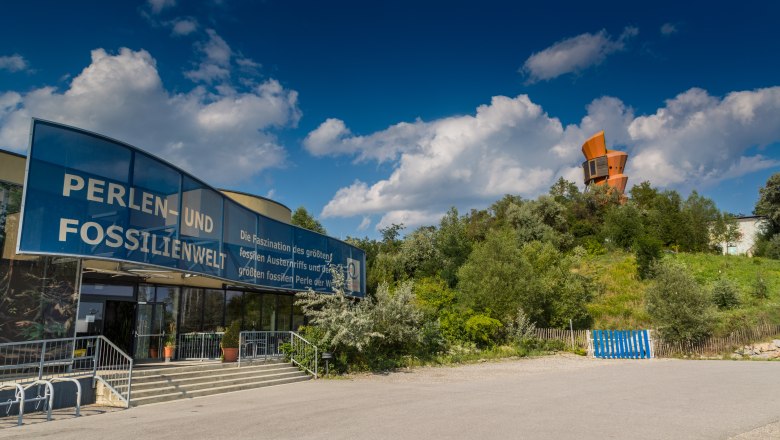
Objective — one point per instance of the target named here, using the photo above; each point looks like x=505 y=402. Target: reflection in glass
x=253 y=305
x=284 y=315
x=213 y=310
x=269 y=312
x=38 y=293
x=191 y=310
x=233 y=306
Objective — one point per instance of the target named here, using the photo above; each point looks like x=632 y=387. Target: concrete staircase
x=153 y=385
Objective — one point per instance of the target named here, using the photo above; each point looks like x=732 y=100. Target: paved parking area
x=559 y=397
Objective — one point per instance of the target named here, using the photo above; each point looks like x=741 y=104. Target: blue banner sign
x=89 y=196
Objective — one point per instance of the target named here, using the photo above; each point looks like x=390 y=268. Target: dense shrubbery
x=449 y=290
x=679 y=306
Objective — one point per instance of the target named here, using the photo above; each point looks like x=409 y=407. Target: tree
x=302 y=218
x=501 y=275
x=623 y=225
x=419 y=254
x=564 y=191
x=699 y=213
x=678 y=306
x=644 y=195
x=453 y=244
x=647 y=250
x=768 y=203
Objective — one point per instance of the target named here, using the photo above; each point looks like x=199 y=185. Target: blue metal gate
x=621 y=344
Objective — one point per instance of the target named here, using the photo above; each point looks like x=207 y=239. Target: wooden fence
x=564 y=335
x=715 y=346
x=709 y=347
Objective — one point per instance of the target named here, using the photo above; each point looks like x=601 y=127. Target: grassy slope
x=619 y=303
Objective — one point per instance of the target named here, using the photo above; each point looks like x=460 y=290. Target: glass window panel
x=90 y=319
x=269 y=312
x=213 y=310
x=284 y=313
x=107 y=290
x=39 y=295
x=191 y=310
x=253 y=305
x=298 y=318
x=169 y=297
x=233 y=306
x=145 y=293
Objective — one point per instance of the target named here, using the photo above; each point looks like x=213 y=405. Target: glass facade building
x=133 y=305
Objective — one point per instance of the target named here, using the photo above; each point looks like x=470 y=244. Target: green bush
x=725 y=294
x=483 y=330
x=759 y=289
x=678 y=306
x=647 y=250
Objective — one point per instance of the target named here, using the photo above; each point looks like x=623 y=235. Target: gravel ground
x=495 y=369
x=554 y=397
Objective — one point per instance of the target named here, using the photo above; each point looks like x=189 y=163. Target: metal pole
x=129 y=382
x=43 y=356
x=96 y=357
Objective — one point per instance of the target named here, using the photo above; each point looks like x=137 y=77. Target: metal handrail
x=47 y=398
x=19 y=399
x=83 y=356
x=301 y=349
x=255 y=345
x=199 y=345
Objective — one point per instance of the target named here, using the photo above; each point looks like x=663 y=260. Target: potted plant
x=230 y=342
x=170 y=345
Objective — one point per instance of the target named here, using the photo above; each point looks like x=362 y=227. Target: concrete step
x=173 y=376
x=216 y=390
x=192 y=387
x=173 y=369
x=211 y=376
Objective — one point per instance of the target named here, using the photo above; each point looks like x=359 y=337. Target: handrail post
x=43 y=357
x=96 y=357
x=316 y=358
x=129 y=382
x=240 y=347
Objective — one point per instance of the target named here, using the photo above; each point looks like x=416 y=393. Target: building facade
x=64 y=277
x=749 y=228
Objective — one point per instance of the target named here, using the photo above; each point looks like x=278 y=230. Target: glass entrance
x=149 y=330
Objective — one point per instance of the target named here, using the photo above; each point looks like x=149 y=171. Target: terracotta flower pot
x=229 y=354
x=169 y=352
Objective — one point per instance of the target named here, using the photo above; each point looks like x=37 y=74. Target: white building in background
x=749 y=226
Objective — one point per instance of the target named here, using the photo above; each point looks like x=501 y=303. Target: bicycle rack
x=19 y=400
x=78 y=391
x=48 y=396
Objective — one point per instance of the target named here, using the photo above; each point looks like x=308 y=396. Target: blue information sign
x=90 y=196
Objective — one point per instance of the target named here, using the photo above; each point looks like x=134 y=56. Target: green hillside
x=619 y=300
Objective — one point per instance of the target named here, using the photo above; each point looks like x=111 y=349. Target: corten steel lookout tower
x=603 y=166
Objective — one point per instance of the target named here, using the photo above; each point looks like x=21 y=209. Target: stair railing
x=265 y=345
x=93 y=357
x=304 y=354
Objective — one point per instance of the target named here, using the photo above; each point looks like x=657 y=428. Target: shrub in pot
x=230 y=341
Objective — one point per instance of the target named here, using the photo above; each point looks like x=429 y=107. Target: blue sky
x=372 y=113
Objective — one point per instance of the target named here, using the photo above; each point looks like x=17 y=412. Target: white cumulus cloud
x=512 y=146
x=13 y=63
x=574 y=54
x=222 y=137
x=668 y=29
x=158 y=5
x=183 y=26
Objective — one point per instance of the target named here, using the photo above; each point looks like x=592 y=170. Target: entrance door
x=118 y=323
x=149 y=330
